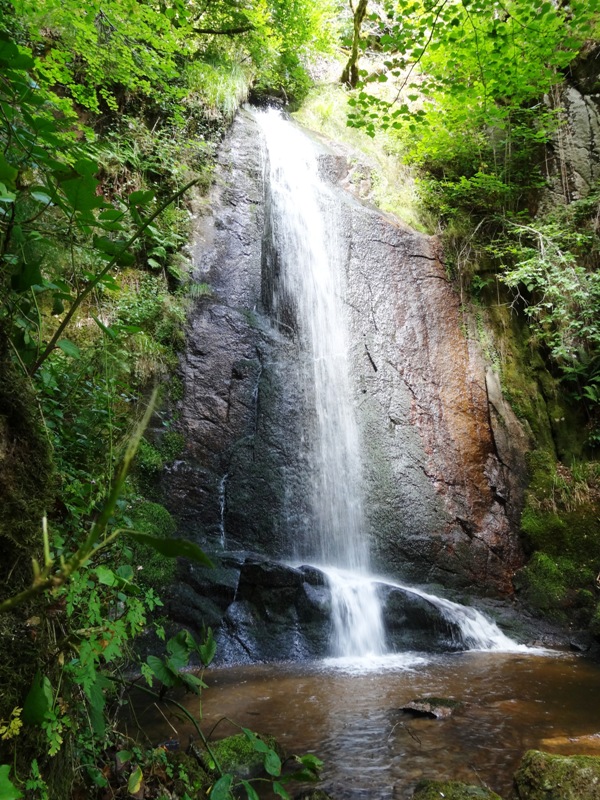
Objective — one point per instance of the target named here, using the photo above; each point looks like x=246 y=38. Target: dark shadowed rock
x=415 y=623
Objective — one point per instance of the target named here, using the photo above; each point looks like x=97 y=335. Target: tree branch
x=224 y=31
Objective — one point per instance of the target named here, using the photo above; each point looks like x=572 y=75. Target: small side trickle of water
x=222 y=505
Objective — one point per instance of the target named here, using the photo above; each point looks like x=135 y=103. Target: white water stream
x=305 y=226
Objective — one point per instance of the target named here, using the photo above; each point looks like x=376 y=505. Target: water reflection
x=351 y=718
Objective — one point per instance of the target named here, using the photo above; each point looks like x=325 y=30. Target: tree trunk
x=350 y=73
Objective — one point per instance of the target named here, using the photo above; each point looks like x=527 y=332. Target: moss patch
x=542 y=776
x=561 y=528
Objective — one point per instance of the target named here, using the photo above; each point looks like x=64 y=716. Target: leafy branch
x=47 y=577
x=100 y=275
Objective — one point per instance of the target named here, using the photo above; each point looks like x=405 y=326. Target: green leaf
x=311 y=761
x=251 y=792
x=105 y=575
x=86 y=167
x=179 y=649
x=6 y=196
x=134 y=784
x=29 y=275
x=104 y=328
x=8 y=173
x=222 y=788
x=123 y=756
x=280 y=790
x=81 y=193
x=273 y=763
x=8 y=791
x=42 y=197
x=191 y=681
x=39 y=700
x=161 y=671
x=208 y=649
x=140 y=198
x=68 y=348
x=257 y=744
x=171 y=547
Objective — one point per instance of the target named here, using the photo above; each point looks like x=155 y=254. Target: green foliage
x=465 y=68
x=561 y=529
x=556 y=586
x=108 y=114
x=552 y=267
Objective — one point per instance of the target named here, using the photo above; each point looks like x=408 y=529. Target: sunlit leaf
x=134 y=784
x=68 y=348
x=8 y=791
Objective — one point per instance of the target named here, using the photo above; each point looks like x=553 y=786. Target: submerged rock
x=433 y=707
x=452 y=790
x=542 y=776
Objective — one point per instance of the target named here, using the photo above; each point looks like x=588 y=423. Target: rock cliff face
x=443 y=453
x=574 y=158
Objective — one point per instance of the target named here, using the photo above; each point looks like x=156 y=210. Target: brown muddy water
x=349 y=716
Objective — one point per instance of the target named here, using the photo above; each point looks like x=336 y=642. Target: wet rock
x=415 y=623
x=260 y=610
x=313 y=794
x=432 y=707
x=542 y=776
x=452 y=790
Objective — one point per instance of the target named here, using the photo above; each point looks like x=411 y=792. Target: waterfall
x=305 y=277
x=308 y=298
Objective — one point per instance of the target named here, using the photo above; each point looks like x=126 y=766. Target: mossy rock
x=452 y=790
x=237 y=755
x=542 y=776
x=555 y=585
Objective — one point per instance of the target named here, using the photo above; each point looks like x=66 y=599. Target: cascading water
x=305 y=225
x=308 y=299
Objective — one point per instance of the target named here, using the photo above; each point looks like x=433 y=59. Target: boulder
x=432 y=707
x=452 y=790
x=414 y=623
x=542 y=776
